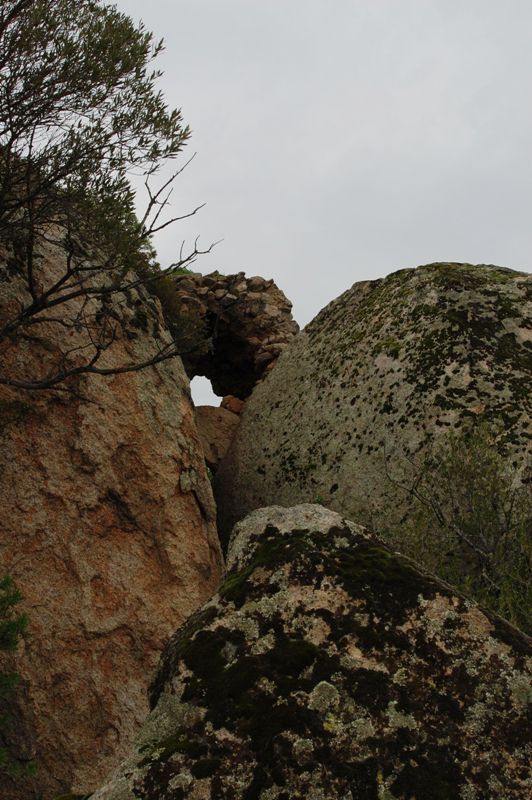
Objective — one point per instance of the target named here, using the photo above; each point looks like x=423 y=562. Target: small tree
x=79 y=114
x=471 y=522
x=12 y=626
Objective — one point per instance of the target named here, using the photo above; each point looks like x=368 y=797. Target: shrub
x=80 y=113
x=471 y=522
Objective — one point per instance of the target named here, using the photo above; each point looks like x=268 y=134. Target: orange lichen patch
x=334 y=597
x=477 y=622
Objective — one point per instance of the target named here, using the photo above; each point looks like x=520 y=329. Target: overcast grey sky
x=339 y=140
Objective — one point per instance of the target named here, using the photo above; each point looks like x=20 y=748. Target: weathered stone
x=232 y=403
x=328 y=667
x=256 y=282
x=185 y=284
x=264 y=357
x=107 y=527
x=216 y=428
x=239 y=323
x=380 y=374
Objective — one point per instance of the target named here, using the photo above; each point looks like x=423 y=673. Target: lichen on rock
x=374 y=383
x=328 y=666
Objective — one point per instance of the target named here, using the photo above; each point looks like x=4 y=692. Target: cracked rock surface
x=326 y=667
x=107 y=526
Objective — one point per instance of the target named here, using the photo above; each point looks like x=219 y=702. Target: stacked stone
x=250 y=321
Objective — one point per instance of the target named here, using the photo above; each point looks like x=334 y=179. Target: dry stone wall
x=247 y=322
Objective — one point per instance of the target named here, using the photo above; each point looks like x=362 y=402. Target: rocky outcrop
x=329 y=667
x=247 y=321
x=108 y=528
x=377 y=377
x=216 y=428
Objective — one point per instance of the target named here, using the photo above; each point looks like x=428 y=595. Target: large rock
x=216 y=428
x=377 y=376
x=329 y=667
x=107 y=525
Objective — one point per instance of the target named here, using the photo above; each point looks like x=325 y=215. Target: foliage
x=190 y=332
x=80 y=113
x=472 y=522
x=78 y=109
x=12 y=627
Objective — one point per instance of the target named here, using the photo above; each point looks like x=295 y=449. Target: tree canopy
x=79 y=110
x=80 y=113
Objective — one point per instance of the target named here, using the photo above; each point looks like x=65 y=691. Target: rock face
x=329 y=667
x=248 y=321
x=377 y=376
x=232 y=403
x=216 y=428
x=108 y=528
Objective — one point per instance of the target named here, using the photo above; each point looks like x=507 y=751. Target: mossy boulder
x=373 y=383
x=327 y=667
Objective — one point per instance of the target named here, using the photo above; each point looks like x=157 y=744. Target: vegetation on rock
x=327 y=665
x=355 y=412
x=471 y=522
x=80 y=112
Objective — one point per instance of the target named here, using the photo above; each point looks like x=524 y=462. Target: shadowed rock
x=216 y=428
x=329 y=667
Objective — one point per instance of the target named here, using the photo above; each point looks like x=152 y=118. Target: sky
x=341 y=140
